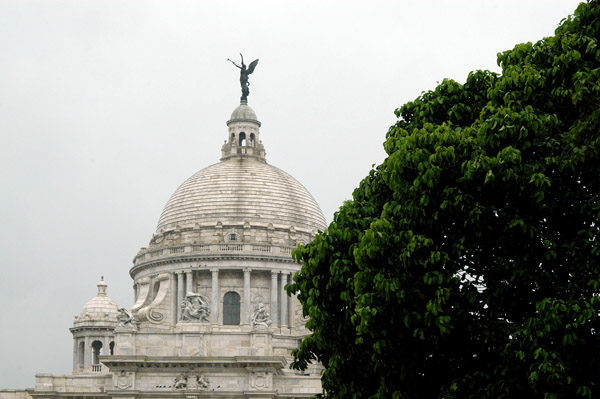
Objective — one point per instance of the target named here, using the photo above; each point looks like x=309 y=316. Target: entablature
x=276 y=363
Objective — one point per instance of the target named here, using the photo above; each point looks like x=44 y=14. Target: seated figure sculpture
x=195 y=308
x=125 y=319
x=260 y=319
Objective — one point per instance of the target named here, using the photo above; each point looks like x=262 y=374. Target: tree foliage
x=467 y=264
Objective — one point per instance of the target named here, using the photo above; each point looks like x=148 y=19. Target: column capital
x=247 y=270
x=214 y=270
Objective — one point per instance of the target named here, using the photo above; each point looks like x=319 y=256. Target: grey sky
x=107 y=106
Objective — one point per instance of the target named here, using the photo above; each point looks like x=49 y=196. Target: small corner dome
x=243 y=113
x=100 y=308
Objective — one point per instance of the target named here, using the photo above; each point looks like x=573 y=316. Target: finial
x=244 y=72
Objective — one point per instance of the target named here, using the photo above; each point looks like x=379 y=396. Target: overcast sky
x=107 y=106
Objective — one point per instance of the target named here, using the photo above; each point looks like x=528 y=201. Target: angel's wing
x=204 y=300
x=252 y=66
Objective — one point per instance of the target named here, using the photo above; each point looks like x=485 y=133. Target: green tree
x=467 y=264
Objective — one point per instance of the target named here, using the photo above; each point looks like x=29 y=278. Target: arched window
x=111 y=346
x=252 y=140
x=231 y=308
x=242 y=139
x=96 y=351
x=233 y=237
x=232 y=137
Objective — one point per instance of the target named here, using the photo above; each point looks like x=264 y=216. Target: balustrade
x=214 y=248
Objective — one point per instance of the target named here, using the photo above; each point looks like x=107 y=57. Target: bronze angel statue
x=244 y=72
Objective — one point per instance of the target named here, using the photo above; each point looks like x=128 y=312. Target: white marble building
x=211 y=317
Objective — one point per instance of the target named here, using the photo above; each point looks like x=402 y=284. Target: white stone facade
x=211 y=317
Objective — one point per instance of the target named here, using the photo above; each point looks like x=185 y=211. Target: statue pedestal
x=190 y=339
x=260 y=342
x=191 y=327
x=124 y=341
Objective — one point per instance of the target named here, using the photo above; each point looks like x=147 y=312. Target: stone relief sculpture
x=123 y=380
x=198 y=382
x=125 y=319
x=180 y=382
x=260 y=318
x=261 y=380
x=244 y=72
x=195 y=308
x=202 y=383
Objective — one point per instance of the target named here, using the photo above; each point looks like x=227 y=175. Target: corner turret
x=93 y=332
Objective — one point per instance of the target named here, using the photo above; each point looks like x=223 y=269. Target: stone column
x=180 y=293
x=246 y=313
x=75 y=357
x=87 y=354
x=189 y=282
x=105 y=350
x=214 y=300
x=284 y=307
x=290 y=303
x=273 y=309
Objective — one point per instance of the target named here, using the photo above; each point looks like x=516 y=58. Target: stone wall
x=14 y=394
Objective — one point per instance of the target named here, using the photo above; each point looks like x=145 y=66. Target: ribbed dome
x=100 y=308
x=242 y=190
x=243 y=113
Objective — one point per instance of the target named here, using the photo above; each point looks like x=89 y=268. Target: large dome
x=242 y=190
